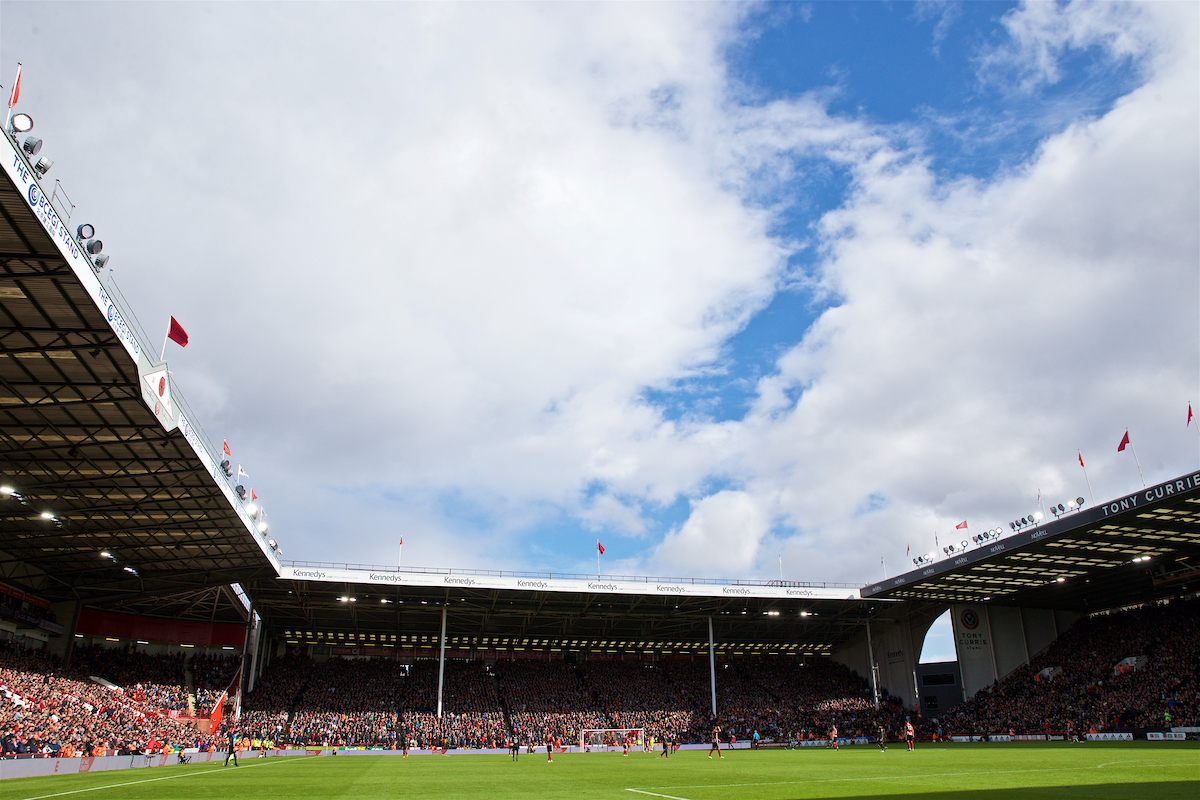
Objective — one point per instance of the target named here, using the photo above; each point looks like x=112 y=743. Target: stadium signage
x=477 y=581
x=60 y=234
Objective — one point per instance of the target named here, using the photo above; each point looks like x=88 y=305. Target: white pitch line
x=898 y=777
x=150 y=780
x=656 y=794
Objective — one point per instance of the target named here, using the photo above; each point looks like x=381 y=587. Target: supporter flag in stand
x=960 y=525
x=215 y=715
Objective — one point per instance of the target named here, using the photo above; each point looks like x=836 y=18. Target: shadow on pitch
x=1166 y=790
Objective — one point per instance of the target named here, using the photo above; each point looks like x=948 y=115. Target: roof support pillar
x=442 y=662
x=712 y=667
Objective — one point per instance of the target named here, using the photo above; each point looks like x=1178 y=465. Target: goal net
x=606 y=739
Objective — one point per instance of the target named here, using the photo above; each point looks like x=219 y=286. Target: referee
x=232 y=753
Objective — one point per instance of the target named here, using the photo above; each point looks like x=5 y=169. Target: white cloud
x=431 y=256
x=721 y=536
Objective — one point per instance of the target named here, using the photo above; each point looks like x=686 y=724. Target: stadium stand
x=1080 y=679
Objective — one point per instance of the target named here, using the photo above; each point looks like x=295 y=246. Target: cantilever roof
x=79 y=442
x=1092 y=551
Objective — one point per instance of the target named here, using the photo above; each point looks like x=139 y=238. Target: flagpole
x=1086 y=478
x=1135 y=460
x=880 y=564
x=163 y=351
x=400 y=556
x=597 y=559
x=1189 y=422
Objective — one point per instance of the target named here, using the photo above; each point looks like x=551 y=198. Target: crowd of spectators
x=211 y=676
x=46 y=709
x=1078 y=682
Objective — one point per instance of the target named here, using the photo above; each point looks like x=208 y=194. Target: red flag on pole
x=1189 y=422
x=600 y=547
x=225 y=448
x=177 y=334
x=961 y=525
x=1080 y=458
x=1124 y=441
x=401 y=540
x=16 y=90
x=253 y=496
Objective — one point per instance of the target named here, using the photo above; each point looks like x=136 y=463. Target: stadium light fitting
x=252 y=509
x=1061 y=579
x=32 y=145
x=105 y=554
x=43 y=166
x=84 y=231
x=7 y=490
x=262 y=526
x=94 y=246
x=47 y=515
x=101 y=262
x=20 y=123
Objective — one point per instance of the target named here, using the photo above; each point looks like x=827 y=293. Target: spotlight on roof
x=1079 y=502
x=84 y=231
x=20 y=123
x=241 y=492
x=101 y=262
x=32 y=145
x=106 y=554
x=273 y=543
x=262 y=526
x=7 y=490
x=130 y=570
x=43 y=166
x=1061 y=580
x=252 y=509
x=225 y=467
x=47 y=515
x=94 y=246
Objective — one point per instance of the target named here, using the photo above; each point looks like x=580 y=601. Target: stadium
x=148 y=615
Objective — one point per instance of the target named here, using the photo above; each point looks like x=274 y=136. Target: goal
x=603 y=740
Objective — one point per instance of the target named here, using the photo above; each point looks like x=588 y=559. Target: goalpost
x=607 y=739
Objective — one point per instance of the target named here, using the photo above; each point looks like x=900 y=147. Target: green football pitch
x=951 y=772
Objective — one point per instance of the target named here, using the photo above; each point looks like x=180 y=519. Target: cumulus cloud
x=432 y=257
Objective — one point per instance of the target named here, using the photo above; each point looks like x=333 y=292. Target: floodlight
x=7 y=490
x=273 y=543
x=32 y=145
x=21 y=123
x=225 y=467
x=1079 y=502
x=84 y=231
x=262 y=526
x=47 y=515
x=101 y=262
x=43 y=166
x=1071 y=504
x=1037 y=516
x=1061 y=580
x=252 y=509
x=241 y=492
x=94 y=246
x=106 y=554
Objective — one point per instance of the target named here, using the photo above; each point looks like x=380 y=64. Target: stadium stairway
x=189 y=681
x=508 y=726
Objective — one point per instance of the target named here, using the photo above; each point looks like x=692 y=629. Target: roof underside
x=315 y=612
x=1083 y=562
x=77 y=442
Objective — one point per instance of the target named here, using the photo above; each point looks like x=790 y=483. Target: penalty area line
x=151 y=780
x=656 y=794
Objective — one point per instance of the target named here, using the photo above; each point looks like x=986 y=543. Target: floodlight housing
x=20 y=123
x=84 y=231
x=43 y=166
x=32 y=145
x=94 y=246
x=101 y=261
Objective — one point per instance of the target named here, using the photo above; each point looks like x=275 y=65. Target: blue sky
x=716 y=284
